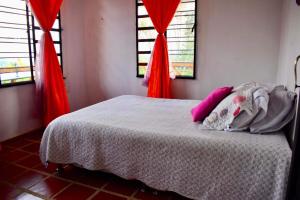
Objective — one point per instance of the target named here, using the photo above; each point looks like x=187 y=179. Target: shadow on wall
x=18 y=111
x=290 y=43
x=228 y=34
x=110 y=49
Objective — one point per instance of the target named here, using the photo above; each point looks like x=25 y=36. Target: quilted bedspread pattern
x=156 y=142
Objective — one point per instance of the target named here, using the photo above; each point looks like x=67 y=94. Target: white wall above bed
x=238 y=41
x=289 y=43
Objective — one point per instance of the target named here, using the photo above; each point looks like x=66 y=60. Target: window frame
x=195 y=42
x=32 y=42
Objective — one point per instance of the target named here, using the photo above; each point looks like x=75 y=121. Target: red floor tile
x=13 y=155
x=30 y=161
x=91 y=178
x=92 y=181
x=27 y=196
x=106 y=196
x=34 y=136
x=18 y=142
x=75 y=192
x=122 y=187
x=27 y=179
x=73 y=173
x=3 y=165
x=37 y=182
x=49 y=186
x=51 y=168
x=7 y=192
x=10 y=172
x=32 y=148
x=5 y=149
x=178 y=197
x=150 y=194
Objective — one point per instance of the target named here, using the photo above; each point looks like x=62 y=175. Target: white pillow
x=224 y=114
x=280 y=112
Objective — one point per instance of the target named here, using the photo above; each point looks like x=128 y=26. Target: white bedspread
x=156 y=142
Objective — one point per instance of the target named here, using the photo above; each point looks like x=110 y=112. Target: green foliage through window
x=19 y=34
x=181 y=37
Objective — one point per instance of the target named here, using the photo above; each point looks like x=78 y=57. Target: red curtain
x=49 y=80
x=161 y=13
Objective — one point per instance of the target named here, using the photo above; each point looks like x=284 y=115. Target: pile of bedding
x=250 y=107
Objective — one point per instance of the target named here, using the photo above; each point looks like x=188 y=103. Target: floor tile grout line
x=46 y=177
x=49 y=174
x=25 y=137
x=10 y=185
x=93 y=195
x=101 y=189
x=32 y=169
x=29 y=168
x=104 y=185
x=75 y=182
x=61 y=191
x=60 y=178
x=22 y=190
x=114 y=193
x=21 y=159
x=17 y=160
x=134 y=193
x=33 y=141
x=19 y=147
x=53 y=175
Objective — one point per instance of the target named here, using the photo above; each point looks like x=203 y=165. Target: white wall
x=238 y=41
x=290 y=43
x=17 y=111
x=110 y=49
x=73 y=53
x=17 y=108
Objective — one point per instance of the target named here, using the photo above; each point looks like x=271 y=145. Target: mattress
x=156 y=142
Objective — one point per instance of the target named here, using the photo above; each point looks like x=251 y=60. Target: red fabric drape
x=49 y=80
x=161 y=13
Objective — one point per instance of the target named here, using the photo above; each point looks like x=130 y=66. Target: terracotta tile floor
x=22 y=176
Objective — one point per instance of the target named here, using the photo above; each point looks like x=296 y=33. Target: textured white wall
x=17 y=106
x=238 y=41
x=73 y=53
x=17 y=111
x=290 y=43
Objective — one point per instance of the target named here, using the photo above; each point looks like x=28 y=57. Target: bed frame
x=292 y=132
x=293 y=137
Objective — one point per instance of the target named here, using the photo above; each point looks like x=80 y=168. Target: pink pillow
x=209 y=103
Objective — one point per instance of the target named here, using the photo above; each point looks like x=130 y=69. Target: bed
x=154 y=141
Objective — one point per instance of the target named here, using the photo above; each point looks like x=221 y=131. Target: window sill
x=21 y=83
x=177 y=77
x=16 y=84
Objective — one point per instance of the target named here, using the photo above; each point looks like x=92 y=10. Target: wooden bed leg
x=59 y=169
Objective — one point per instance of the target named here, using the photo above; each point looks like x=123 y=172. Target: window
x=181 y=37
x=19 y=34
